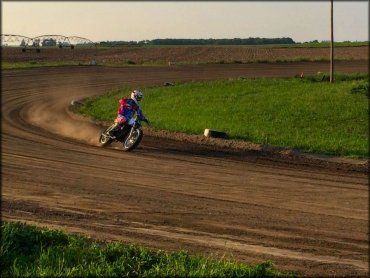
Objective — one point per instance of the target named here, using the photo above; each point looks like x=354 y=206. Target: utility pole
x=331 y=44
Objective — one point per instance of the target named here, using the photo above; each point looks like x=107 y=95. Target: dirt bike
x=130 y=134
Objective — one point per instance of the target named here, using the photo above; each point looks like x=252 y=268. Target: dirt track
x=309 y=219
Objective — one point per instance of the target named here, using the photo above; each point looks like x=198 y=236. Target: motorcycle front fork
x=131 y=131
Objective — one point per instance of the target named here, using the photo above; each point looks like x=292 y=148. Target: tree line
x=235 y=41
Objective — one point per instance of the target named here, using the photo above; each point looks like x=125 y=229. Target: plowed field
x=191 y=54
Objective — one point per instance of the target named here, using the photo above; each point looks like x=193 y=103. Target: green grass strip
x=36 y=64
x=310 y=114
x=28 y=251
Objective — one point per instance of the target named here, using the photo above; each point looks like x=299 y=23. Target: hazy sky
x=100 y=21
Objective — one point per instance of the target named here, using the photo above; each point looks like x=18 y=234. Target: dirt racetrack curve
x=311 y=219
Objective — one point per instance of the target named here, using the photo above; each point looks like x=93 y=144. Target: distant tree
x=235 y=41
x=49 y=42
x=36 y=43
x=168 y=41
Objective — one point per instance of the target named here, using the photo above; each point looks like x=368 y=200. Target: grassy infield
x=309 y=114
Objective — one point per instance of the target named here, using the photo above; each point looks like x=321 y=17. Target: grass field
x=35 y=64
x=39 y=64
x=28 y=251
x=310 y=114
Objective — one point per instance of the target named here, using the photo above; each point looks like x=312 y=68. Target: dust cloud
x=53 y=115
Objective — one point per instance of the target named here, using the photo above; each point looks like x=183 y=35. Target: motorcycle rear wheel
x=133 y=141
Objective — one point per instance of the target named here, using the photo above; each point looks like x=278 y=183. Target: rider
x=128 y=106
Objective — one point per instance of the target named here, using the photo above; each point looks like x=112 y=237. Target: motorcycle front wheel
x=133 y=140
x=104 y=140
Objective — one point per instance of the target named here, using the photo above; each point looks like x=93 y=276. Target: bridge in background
x=44 y=41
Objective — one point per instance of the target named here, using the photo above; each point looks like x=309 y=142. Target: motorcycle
x=130 y=134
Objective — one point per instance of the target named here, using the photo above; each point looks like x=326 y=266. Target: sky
x=134 y=20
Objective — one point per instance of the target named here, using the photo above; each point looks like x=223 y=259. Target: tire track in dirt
x=305 y=218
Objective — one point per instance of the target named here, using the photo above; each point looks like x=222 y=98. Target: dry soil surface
x=308 y=215
x=183 y=54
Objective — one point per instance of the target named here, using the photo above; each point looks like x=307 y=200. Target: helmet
x=136 y=95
